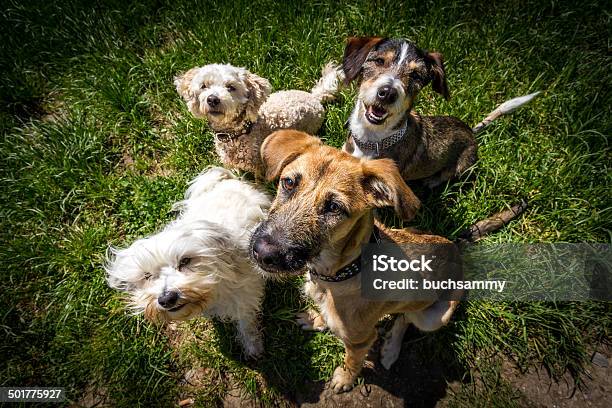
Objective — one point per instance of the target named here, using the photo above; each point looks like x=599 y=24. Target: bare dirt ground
x=412 y=382
x=538 y=390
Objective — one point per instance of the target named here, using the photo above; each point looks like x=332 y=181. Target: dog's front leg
x=250 y=336
x=355 y=354
x=393 y=342
x=311 y=320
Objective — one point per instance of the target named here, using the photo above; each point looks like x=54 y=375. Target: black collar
x=344 y=273
x=227 y=136
x=352 y=268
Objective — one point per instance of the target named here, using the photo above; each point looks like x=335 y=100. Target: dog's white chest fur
x=360 y=154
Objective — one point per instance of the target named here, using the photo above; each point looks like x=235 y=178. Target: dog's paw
x=389 y=353
x=342 y=380
x=433 y=182
x=305 y=321
x=310 y=321
x=254 y=349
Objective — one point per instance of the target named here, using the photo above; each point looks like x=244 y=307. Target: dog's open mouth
x=177 y=308
x=376 y=114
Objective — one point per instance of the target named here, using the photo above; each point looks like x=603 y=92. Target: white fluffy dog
x=241 y=111
x=199 y=263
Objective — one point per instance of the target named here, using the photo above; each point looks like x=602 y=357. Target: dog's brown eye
x=288 y=183
x=184 y=262
x=333 y=207
x=203 y=86
x=230 y=88
x=379 y=61
x=147 y=275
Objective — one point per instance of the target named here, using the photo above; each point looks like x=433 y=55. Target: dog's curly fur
x=242 y=113
x=199 y=264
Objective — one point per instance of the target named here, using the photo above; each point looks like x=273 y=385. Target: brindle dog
x=322 y=214
x=391 y=72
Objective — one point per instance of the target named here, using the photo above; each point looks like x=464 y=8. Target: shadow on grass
x=419 y=378
x=295 y=370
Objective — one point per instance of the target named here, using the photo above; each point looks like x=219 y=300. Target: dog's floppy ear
x=384 y=187
x=435 y=60
x=282 y=147
x=183 y=83
x=355 y=54
x=259 y=89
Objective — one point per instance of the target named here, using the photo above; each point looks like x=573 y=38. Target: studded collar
x=350 y=270
x=383 y=144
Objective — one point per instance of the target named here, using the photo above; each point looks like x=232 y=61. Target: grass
x=97 y=145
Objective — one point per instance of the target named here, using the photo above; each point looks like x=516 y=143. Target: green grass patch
x=97 y=145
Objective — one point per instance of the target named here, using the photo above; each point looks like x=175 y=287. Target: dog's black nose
x=266 y=253
x=168 y=299
x=212 y=100
x=386 y=94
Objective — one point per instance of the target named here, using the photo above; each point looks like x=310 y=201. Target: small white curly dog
x=241 y=111
x=199 y=263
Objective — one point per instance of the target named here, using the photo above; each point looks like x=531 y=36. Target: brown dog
x=322 y=214
x=391 y=72
x=320 y=218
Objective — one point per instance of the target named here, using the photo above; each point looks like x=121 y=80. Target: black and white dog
x=391 y=73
